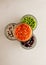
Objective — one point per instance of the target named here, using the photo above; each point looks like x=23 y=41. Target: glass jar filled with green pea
x=30 y=20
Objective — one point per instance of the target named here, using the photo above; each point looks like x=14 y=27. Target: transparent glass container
x=9 y=31
x=32 y=44
x=30 y=20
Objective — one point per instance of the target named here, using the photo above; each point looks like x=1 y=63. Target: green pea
x=30 y=20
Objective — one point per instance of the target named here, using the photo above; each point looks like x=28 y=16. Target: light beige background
x=11 y=52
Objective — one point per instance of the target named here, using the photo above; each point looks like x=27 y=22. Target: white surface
x=11 y=52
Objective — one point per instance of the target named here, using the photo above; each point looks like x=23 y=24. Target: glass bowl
x=9 y=31
x=30 y=20
x=31 y=43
